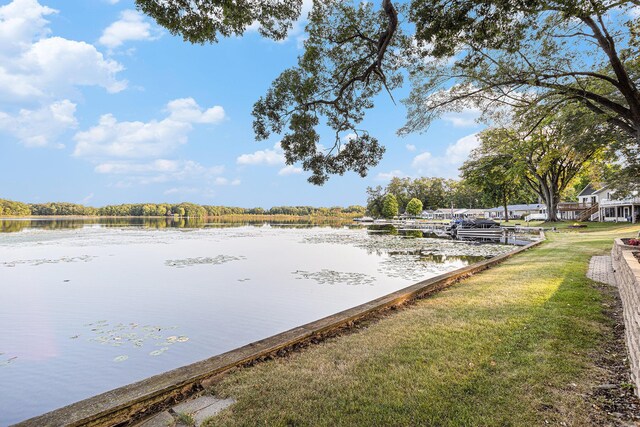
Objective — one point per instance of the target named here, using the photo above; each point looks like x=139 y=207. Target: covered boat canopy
x=475 y=223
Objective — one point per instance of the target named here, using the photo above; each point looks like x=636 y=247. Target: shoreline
x=238 y=216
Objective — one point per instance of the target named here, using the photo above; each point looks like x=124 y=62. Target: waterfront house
x=427 y=214
x=596 y=203
x=469 y=213
x=443 y=213
x=620 y=210
x=605 y=206
x=533 y=211
x=593 y=194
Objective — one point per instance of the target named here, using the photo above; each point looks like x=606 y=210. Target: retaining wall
x=627 y=272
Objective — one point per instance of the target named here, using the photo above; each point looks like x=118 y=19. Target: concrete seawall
x=627 y=272
x=123 y=404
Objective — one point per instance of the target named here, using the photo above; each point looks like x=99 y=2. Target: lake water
x=88 y=306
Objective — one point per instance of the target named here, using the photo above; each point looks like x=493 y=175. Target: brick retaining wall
x=627 y=272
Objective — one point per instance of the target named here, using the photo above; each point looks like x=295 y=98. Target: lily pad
x=8 y=361
x=41 y=261
x=121 y=358
x=158 y=352
x=188 y=262
x=336 y=277
x=131 y=335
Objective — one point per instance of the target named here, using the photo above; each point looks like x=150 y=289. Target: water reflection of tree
x=385 y=229
x=11 y=226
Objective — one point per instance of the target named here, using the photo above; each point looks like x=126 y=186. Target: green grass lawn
x=514 y=345
x=566 y=225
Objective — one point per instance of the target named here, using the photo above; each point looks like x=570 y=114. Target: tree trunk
x=548 y=194
x=552 y=207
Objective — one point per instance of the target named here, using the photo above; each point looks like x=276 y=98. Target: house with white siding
x=469 y=213
x=611 y=208
x=532 y=210
x=607 y=207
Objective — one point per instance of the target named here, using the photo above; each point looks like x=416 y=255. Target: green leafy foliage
x=527 y=53
x=433 y=193
x=546 y=150
x=349 y=58
x=61 y=209
x=493 y=175
x=204 y=21
x=191 y=210
x=414 y=207
x=390 y=206
x=11 y=208
x=494 y=55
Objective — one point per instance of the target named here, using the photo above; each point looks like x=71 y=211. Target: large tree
x=493 y=176
x=459 y=53
x=375 y=197
x=432 y=192
x=527 y=52
x=414 y=207
x=548 y=149
x=390 y=206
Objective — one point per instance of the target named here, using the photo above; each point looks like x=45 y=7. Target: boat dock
x=464 y=233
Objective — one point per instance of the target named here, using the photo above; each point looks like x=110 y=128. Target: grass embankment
x=566 y=225
x=514 y=345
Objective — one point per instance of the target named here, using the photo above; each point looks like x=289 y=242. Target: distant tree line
x=61 y=209
x=10 y=208
x=432 y=193
x=191 y=210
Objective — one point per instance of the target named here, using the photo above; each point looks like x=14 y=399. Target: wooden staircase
x=585 y=215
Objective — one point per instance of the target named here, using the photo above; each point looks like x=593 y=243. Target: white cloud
x=422 y=160
x=86 y=199
x=181 y=190
x=136 y=152
x=188 y=191
x=446 y=166
x=387 y=176
x=111 y=138
x=41 y=74
x=130 y=27
x=459 y=152
x=465 y=118
x=22 y=21
x=187 y=110
x=41 y=127
x=225 y=181
x=410 y=147
x=36 y=67
x=349 y=137
x=290 y=170
x=160 y=165
x=273 y=157
x=160 y=171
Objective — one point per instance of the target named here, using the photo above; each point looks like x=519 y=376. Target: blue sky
x=98 y=105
